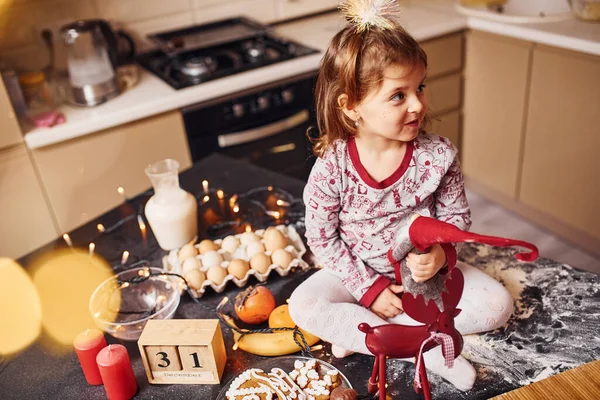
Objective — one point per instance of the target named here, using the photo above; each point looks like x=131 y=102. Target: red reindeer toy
x=419 y=303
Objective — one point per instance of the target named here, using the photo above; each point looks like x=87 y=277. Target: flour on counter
x=554 y=328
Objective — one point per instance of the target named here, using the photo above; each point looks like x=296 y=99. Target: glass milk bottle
x=172 y=212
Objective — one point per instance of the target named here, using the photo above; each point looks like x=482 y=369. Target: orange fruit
x=280 y=318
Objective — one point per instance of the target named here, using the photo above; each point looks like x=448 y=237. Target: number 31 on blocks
x=187 y=351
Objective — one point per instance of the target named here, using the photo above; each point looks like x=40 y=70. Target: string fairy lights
x=226 y=319
x=246 y=210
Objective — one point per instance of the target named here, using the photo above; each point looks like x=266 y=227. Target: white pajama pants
x=322 y=306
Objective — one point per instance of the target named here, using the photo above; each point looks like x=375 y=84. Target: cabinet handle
x=251 y=135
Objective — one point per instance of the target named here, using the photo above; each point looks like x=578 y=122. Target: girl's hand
x=388 y=304
x=424 y=266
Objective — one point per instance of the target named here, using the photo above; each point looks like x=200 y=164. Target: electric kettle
x=92 y=58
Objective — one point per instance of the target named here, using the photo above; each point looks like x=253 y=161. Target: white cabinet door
x=561 y=167
x=10 y=131
x=26 y=222
x=81 y=176
x=295 y=8
x=496 y=80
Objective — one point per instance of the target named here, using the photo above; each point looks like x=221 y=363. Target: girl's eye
x=398 y=96
x=421 y=88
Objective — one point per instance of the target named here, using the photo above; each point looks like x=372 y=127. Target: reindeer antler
x=454 y=288
x=418 y=310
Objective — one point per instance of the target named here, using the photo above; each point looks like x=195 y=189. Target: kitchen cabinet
x=444 y=54
x=444 y=85
x=495 y=91
x=449 y=126
x=561 y=162
x=10 y=132
x=81 y=176
x=444 y=93
x=26 y=219
x=287 y=9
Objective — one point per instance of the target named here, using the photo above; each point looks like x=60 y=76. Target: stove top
x=182 y=67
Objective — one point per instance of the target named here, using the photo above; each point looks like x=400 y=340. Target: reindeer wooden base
x=401 y=341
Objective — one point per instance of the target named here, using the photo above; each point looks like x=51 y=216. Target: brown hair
x=353 y=65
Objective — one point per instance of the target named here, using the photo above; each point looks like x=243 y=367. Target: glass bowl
x=122 y=309
x=287 y=364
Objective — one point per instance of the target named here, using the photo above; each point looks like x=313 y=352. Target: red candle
x=117 y=373
x=87 y=346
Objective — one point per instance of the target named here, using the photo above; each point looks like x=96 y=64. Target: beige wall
x=21 y=21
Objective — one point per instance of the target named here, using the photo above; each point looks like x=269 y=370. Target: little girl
x=376 y=169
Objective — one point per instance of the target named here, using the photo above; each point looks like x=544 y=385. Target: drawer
x=11 y=131
x=26 y=219
x=449 y=126
x=444 y=55
x=81 y=176
x=287 y=9
x=444 y=94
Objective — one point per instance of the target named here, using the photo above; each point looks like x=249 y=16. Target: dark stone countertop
x=554 y=327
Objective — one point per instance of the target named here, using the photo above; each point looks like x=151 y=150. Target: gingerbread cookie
x=305 y=382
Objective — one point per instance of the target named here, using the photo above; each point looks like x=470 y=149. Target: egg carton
x=172 y=263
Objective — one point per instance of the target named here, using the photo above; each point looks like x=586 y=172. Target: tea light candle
x=117 y=373
x=87 y=346
x=205 y=186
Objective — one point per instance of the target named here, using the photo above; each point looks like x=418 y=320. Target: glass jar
x=36 y=91
x=587 y=10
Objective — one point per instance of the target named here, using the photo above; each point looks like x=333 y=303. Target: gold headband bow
x=365 y=14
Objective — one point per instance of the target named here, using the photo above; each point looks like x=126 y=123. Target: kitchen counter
x=424 y=19
x=557 y=312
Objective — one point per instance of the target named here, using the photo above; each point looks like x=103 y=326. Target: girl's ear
x=347 y=108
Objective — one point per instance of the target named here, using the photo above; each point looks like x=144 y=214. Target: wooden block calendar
x=185 y=351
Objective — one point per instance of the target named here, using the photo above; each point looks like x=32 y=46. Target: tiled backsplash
x=21 y=21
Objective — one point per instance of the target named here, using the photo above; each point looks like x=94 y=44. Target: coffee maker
x=92 y=58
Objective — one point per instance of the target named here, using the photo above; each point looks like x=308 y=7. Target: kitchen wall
x=21 y=21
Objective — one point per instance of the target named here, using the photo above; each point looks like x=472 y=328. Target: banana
x=278 y=343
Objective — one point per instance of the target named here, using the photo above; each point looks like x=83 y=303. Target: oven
x=265 y=126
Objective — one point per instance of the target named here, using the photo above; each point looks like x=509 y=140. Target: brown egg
x=282 y=258
x=194 y=278
x=274 y=240
x=216 y=275
x=260 y=263
x=190 y=264
x=187 y=251
x=270 y=231
x=207 y=245
x=238 y=268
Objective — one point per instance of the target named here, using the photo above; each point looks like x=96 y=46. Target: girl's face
x=395 y=110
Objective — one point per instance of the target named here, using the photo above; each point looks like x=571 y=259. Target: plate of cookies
x=236 y=258
x=285 y=378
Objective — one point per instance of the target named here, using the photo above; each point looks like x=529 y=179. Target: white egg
x=190 y=264
x=230 y=244
x=238 y=268
x=187 y=251
x=212 y=259
x=194 y=278
x=260 y=262
x=254 y=248
x=216 y=275
x=282 y=258
x=249 y=237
